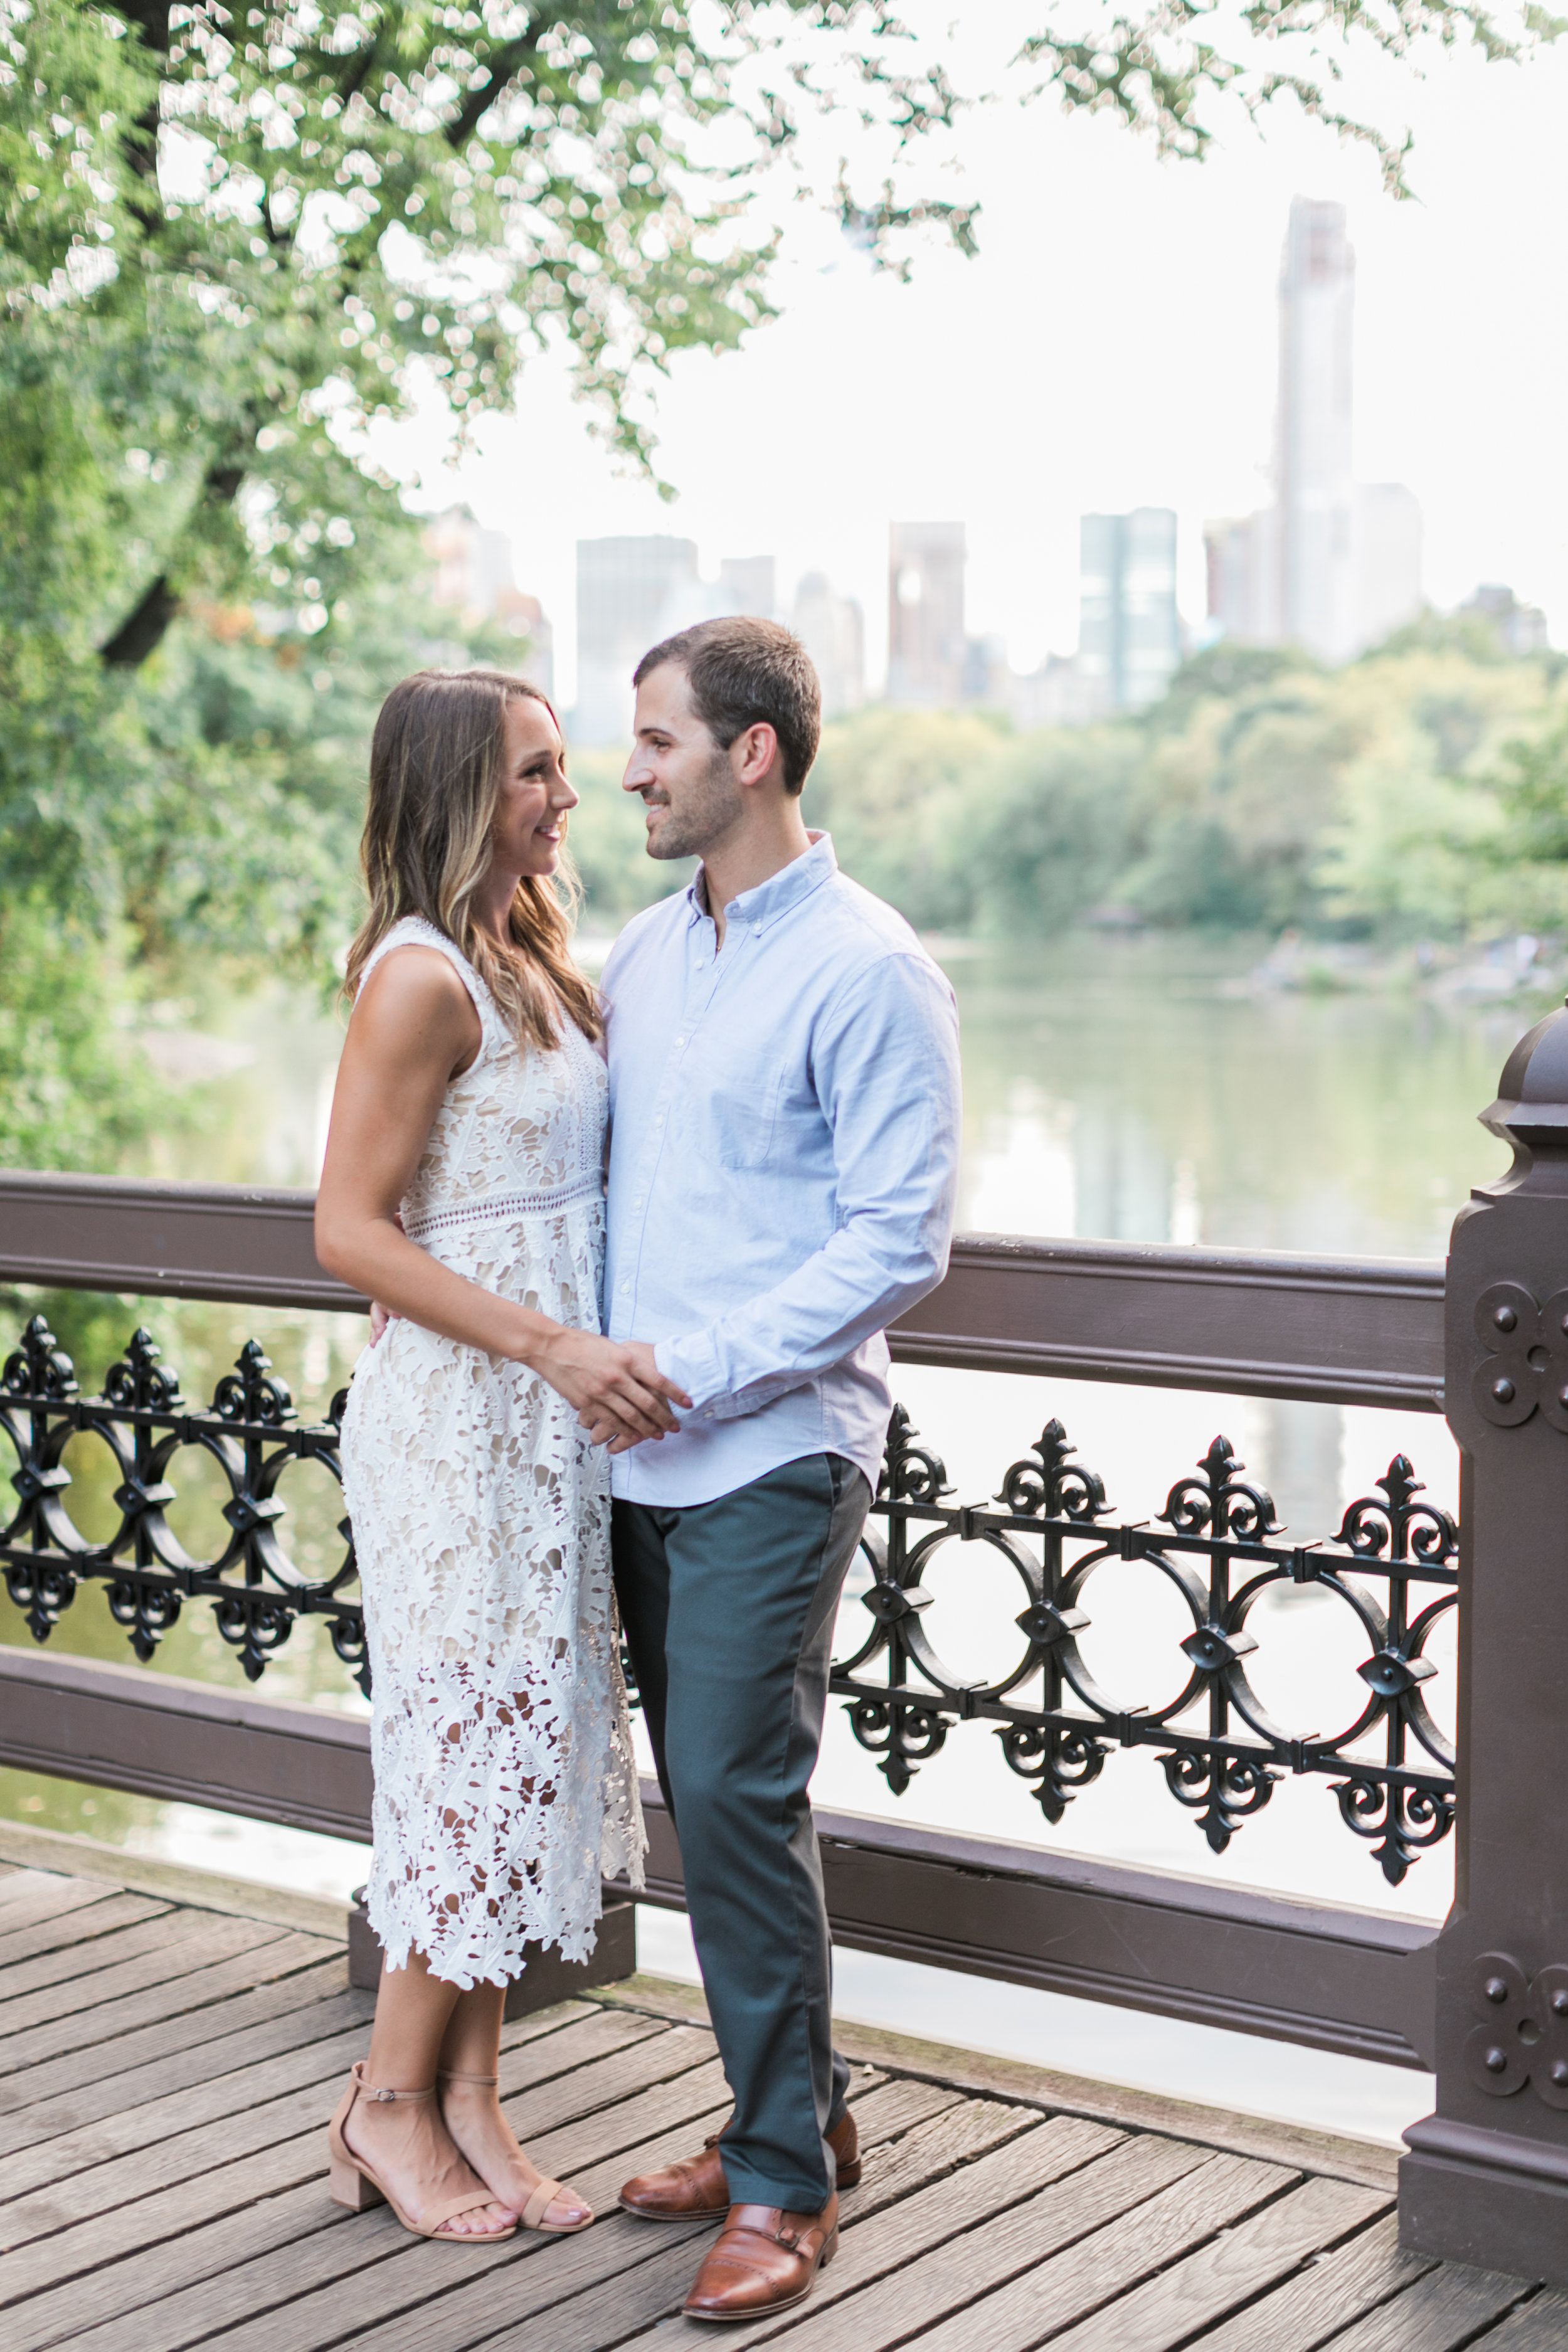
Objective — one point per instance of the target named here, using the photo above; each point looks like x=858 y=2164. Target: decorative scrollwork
x=1399 y=1821
x=911 y=1473
x=1217 y=1503
x=249 y=1394
x=1221 y=1789
x=1221 y=1753
x=39 y=1369
x=1049 y=1482
x=906 y=1733
x=1400 y=1526
x=250 y=1430
x=1049 y=1527
x=141 y=1383
x=1060 y=1762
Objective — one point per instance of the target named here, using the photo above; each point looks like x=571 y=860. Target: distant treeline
x=177 y=835
x=1421 y=791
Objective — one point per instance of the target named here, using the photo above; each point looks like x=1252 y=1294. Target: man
x=784 y=1110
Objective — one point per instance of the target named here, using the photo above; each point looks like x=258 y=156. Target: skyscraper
x=629 y=594
x=831 y=629
x=1333 y=566
x=747 y=584
x=927 y=647
x=1314 y=480
x=473 y=572
x=1129 y=637
x=1387 y=560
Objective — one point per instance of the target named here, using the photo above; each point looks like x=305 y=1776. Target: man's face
x=687 y=783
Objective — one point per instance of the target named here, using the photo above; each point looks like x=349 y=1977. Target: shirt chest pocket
x=744 y=1113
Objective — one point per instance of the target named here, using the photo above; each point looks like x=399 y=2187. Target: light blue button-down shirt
x=784 y=1160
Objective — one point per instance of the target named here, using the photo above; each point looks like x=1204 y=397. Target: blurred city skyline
x=1115 y=346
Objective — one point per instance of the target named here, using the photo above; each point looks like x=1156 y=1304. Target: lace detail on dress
x=505 y=1784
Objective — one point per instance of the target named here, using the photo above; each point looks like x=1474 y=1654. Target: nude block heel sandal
x=351 y=2182
x=539 y=2198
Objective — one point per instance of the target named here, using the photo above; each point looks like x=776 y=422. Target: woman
x=463 y=1188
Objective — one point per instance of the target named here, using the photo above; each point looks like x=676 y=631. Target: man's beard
x=710 y=805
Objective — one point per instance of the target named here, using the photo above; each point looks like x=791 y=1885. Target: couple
x=688 y=1376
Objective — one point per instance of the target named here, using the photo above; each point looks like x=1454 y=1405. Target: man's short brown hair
x=744 y=673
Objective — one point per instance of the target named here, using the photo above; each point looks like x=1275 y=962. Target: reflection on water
x=1139 y=1090
x=1124 y=1090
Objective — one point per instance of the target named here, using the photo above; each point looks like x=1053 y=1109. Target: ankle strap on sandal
x=385 y=2098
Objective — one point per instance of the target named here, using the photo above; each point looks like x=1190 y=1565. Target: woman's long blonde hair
x=435 y=768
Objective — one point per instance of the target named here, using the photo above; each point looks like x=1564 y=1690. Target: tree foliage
x=1420 y=793
x=234 y=238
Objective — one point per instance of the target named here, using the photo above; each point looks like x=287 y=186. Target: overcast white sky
x=1113 y=346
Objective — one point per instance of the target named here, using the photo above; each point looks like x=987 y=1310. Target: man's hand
x=621 y=1395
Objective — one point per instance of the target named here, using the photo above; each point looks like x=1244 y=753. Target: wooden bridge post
x=1485 y=2181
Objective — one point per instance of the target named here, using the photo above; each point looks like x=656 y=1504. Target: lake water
x=1141 y=1089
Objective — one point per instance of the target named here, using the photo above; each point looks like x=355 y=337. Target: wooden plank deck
x=166 y=2071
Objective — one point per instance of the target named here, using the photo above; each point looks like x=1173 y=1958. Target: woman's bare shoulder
x=418 y=985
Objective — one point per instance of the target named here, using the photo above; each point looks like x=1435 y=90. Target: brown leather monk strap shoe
x=697 y=2189
x=762 y=2261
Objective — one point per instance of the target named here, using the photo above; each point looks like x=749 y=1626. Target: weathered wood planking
x=198 y=2037
x=162 y=2186
x=1077 y=2244
x=71 y=1972
x=32 y=1894
x=1540 y=2327
x=983 y=2191
x=315 y=2269
x=122 y=2107
x=1227 y=2271
x=1367 y=2270
x=1440 y=2313
x=633 y=2258
x=268 y=1952
x=75 y=1924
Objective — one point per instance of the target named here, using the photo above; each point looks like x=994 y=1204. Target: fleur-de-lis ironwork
x=1221 y=1753
x=1050 y=1523
x=256 y=1593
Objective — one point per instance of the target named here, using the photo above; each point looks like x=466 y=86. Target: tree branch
x=500 y=66
x=143 y=631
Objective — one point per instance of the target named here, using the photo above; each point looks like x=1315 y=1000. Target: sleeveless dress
x=505 y=1787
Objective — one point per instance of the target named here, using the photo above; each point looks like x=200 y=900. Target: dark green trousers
x=728 y=1609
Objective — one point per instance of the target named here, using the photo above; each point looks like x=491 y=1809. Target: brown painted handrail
x=1353 y=1331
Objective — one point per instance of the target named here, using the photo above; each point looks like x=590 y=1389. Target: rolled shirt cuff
x=692 y=1363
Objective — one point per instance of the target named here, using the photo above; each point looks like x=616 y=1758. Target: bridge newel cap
x=1533 y=1101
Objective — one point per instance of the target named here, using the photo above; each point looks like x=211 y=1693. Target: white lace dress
x=504 y=1781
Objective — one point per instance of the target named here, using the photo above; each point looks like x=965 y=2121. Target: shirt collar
x=778 y=893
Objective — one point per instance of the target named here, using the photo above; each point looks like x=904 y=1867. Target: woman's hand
x=619 y=1392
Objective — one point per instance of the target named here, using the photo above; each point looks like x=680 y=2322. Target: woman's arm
x=413 y=1030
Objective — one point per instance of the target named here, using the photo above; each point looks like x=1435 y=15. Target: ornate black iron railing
x=1221 y=1751
x=1213 y=1530
x=249 y=1429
